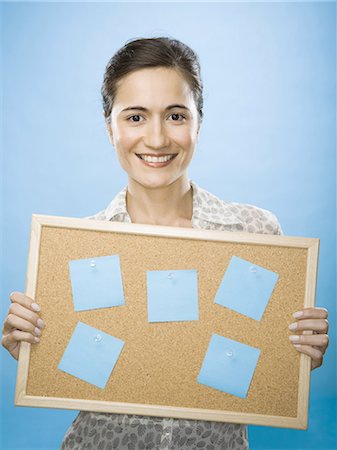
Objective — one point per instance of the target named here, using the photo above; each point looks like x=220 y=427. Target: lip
x=156 y=164
x=156 y=154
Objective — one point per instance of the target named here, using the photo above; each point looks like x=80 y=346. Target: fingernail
x=36 y=307
x=296 y=346
x=37 y=339
x=40 y=323
x=298 y=314
x=293 y=326
x=37 y=331
x=294 y=338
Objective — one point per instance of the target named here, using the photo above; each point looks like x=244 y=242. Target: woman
x=152 y=99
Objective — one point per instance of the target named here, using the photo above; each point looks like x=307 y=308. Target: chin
x=156 y=182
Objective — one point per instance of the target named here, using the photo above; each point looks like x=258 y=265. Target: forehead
x=157 y=85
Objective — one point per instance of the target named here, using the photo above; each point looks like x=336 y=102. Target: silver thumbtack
x=92 y=263
x=98 y=338
x=252 y=269
x=170 y=276
x=229 y=353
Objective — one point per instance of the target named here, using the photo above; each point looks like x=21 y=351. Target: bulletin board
x=157 y=371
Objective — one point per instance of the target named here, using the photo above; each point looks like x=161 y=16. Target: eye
x=134 y=121
x=175 y=117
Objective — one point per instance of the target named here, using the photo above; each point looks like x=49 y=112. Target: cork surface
x=160 y=362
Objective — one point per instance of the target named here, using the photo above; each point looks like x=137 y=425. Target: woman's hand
x=22 y=323
x=313 y=345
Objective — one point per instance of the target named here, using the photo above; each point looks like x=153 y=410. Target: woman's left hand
x=313 y=345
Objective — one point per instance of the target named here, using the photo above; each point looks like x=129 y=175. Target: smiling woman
x=165 y=133
x=152 y=101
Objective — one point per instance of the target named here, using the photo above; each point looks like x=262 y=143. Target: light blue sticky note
x=91 y=355
x=96 y=282
x=172 y=295
x=246 y=288
x=228 y=366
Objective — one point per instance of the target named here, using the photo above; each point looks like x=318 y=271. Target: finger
x=15 y=322
x=24 y=300
x=319 y=325
x=11 y=340
x=311 y=313
x=315 y=354
x=21 y=311
x=17 y=311
x=317 y=340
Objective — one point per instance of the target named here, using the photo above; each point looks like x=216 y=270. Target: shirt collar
x=118 y=206
x=201 y=208
x=203 y=204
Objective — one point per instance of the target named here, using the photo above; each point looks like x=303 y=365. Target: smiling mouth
x=156 y=159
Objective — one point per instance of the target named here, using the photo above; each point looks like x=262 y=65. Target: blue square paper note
x=229 y=366
x=172 y=295
x=96 y=282
x=246 y=288
x=91 y=355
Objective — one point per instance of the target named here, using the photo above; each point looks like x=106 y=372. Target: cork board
x=161 y=361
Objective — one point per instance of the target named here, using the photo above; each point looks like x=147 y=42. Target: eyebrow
x=141 y=108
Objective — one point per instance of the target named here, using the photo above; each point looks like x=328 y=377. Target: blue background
x=268 y=138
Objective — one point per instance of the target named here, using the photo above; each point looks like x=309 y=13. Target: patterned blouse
x=103 y=431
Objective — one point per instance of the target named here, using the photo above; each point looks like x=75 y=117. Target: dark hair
x=152 y=52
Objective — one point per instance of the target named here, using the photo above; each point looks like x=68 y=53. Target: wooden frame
x=310 y=246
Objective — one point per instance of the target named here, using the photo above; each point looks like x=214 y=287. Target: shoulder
x=240 y=216
x=256 y=219
x=100 y=215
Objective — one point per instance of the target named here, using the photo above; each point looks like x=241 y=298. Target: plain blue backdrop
x=268 y=138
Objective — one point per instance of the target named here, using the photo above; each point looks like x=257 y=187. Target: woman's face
x=154 y=126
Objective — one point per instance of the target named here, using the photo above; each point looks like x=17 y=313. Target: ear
x=109 y=130
x=198 y=130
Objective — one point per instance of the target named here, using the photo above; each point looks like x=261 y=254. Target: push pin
x=98 y=338
x=170 y=276
x=252 y=269
x=92 y=263
x=229 y=353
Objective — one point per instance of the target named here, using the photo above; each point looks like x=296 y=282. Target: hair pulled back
x=152 y=52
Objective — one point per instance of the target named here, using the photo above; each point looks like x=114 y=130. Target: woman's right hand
x=22 y=323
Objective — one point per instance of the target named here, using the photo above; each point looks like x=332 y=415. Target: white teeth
x=155 y=159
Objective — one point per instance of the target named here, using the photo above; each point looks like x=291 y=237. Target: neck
x=170 y=205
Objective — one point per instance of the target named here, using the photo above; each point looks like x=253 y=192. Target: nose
x=156 y=136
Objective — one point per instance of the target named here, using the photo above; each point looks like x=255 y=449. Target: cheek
x=126 y=138
x=185 y=137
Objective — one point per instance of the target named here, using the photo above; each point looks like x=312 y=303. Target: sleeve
x=269 y=221
x=100 y=215
x=277 y=227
